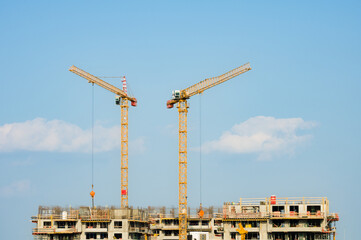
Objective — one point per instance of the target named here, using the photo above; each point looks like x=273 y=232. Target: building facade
x=262 y=218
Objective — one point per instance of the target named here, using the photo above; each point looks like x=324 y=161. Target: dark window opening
x=103 y=225
x=278 y=236
x=47 y=224
x=167 y=222
x=193 y=223
x=252 y=235
x=294 y=209
x=234 y=224
x=118 y=224
x=61 y=224
x=91 y=235
x=118 y=235
x=205 y=223
x=103 y=235
x=293 y=236
x=278 y=223
x=314 y=223
x=135 y=235
x=294 y=223
x=91 y=225
x=217 y=222
x=61 y=237
x=310 y=236
x=314 y=209
x=278 y=209
x=71 y=224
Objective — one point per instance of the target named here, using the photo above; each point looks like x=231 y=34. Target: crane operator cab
x=176 y=94
x=117 y=100
x=132 y=102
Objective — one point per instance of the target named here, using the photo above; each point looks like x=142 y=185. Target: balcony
x=245 y=215
x=295 y=215
x=249 y=229
x=299 y=228
x=138 y=229
x=97 y=230
x=156 y=226
x=37 y=231
x=170 y=227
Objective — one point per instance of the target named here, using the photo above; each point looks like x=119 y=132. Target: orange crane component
x=242 y=231
x=121 y=99
x=180 y=97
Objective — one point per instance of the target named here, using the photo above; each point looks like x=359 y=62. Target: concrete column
x=227 y=234
x=263 y=230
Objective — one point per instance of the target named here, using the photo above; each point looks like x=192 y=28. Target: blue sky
x=289 y=127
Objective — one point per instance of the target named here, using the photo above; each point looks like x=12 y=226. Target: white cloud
x=58 y=136
x=263 y=135
x=15 y=188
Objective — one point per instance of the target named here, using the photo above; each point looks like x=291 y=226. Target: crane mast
x=122 y=99
x=124 y=153
x=180 y=97
x=182 y=110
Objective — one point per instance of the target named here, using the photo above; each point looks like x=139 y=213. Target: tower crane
x=180 y=97
x=121 y=99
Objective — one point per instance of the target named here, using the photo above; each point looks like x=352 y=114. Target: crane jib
x=200 y=87
x=93 y=79
x=211 y=82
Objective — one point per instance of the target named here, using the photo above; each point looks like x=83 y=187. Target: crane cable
x=201 y=212
x=200 y=149
x=92 y=192
x=93 y=135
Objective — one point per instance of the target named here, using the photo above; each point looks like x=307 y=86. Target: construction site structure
x=303 y=218
x=180 y=97
x=121 y=99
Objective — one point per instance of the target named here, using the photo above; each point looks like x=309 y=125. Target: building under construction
x=253 y=219
x=264 y=219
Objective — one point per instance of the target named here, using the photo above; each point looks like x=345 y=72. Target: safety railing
x=99 y=215
x=297 y=200
x=317 y=214
x=53 y=230
x=245 y=215
x=74 y=215
x=279 y=201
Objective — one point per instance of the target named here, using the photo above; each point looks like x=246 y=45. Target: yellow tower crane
x=180 y=97
x=122 y=99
